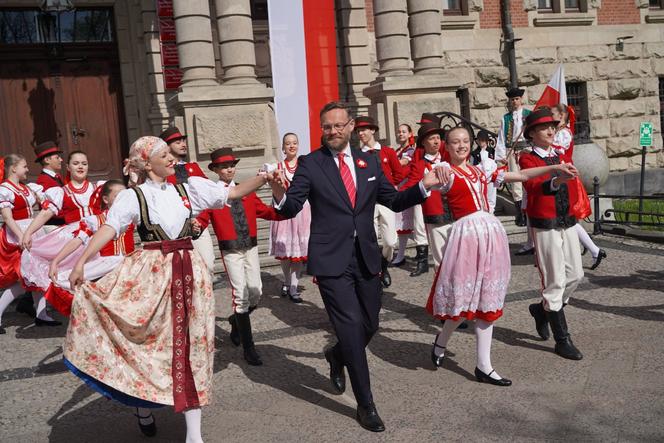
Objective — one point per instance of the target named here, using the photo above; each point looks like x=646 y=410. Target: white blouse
x=165 y=206
x=55 y=196
x=8 y=193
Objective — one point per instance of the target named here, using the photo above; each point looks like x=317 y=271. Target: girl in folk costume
x=144 y=333
x=474 y=274
x=410 y=223
x=563 y=144
x=16 y=202
x=56 y=282
x=289 y=239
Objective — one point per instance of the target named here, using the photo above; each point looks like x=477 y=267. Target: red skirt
x=10 y=261
x=60 y=298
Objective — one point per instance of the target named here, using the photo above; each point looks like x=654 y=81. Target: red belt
x=185 y=395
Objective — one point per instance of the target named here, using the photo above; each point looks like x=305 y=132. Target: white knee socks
x=40 y=305
x=586 y=241
x=9 y=295
x=193 y=419
x=295 y=272
x=483 y=333
x=448 y=328
x=401 y=252
x=285 y=269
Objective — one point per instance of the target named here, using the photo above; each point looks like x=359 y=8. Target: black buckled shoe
x=150 y=429
x=486 y=378
x=369 y=419
x=437 y=360
x=337 y=374
x=40 y=322
x=601 y=255
x=284 y=290
x=385 y=277
x=541 y=324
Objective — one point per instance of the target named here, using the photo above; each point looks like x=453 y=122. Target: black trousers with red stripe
x=352 y=301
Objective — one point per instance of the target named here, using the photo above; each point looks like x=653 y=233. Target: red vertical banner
x=169 y=50
x=320 y=40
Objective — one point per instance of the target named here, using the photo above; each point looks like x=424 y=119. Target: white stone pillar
x=193 y=34
x=354 y=53
x=426 y=45
x=391 y=29
x=236 y=41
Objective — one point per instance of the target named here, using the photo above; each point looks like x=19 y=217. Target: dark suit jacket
x=334 y=221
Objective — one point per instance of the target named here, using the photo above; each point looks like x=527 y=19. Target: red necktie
x=347 y=178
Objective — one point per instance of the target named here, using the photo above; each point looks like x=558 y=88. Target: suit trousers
x=352 y=301
x=205 y=248
x=419 y=229
x=437 y=234
x=244 y=273
x=385 y=224
x=559 y=263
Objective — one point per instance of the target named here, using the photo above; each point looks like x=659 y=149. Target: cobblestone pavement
x=615 y=393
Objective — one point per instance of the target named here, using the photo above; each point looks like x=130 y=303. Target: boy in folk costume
x=510 y=133
x=384 y=218
x=552 y=220
x=235 y=228
x=177 y=143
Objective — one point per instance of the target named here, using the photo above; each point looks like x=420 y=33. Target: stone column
x=354 y=53
x=236 y=41
x=391 y=29
x=158 y=115
x=426 y=45
x=193 y=33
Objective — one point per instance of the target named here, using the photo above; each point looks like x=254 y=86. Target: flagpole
x=508 y=40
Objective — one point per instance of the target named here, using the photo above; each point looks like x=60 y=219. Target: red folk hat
x=45 y=149
x=537 y=117
x=429 y=117
x=171 y=134
x=365 y=122
x=222 y=156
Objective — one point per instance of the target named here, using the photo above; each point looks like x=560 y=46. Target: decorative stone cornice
x=530 y=5
x=475 y=5
x=642 y=4
x=594 y=4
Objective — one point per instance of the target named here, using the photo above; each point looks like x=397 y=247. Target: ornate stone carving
x=530 y=5
x=642 y=4
x=475 y=5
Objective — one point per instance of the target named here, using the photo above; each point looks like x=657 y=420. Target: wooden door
x=77 y=102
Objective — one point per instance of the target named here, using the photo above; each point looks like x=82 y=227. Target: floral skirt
x=289 y=239
x=121 y=331
x=474 y=275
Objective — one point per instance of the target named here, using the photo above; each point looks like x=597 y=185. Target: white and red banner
x=304 y=65
x=555 y=92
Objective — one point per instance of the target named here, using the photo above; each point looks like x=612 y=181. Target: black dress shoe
x=601 y=255
x=369 y=419
x=149 y=430
x=40 y=322
x=235 y=334
x=252 y=357
x=437 y=360
x=26 y=306
x=541 y=323
x=337 y=375
x=295 y=298
x=525 y=251
x=486 y=378
x=284 y=290
x=398 y=264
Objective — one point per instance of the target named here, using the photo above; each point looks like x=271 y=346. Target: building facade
x=98 y=77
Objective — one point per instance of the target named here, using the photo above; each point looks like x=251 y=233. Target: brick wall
x=618 y=12
x=490 y=16
x=368 y=5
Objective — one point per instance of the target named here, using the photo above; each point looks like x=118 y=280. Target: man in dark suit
x=343 y=185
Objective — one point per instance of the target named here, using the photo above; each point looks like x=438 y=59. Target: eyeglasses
x=338 y=127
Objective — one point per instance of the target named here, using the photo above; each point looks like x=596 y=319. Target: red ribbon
x=185 y=395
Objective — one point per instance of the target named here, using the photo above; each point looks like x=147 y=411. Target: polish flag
x=303 y=52
x=556 y=92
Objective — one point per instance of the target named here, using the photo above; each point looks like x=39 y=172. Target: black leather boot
x=564 y=346
x=422 y=259
x=541 y=323
x=520 y=219
x=385 y=277
x=244 y=328
x=235 y=335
